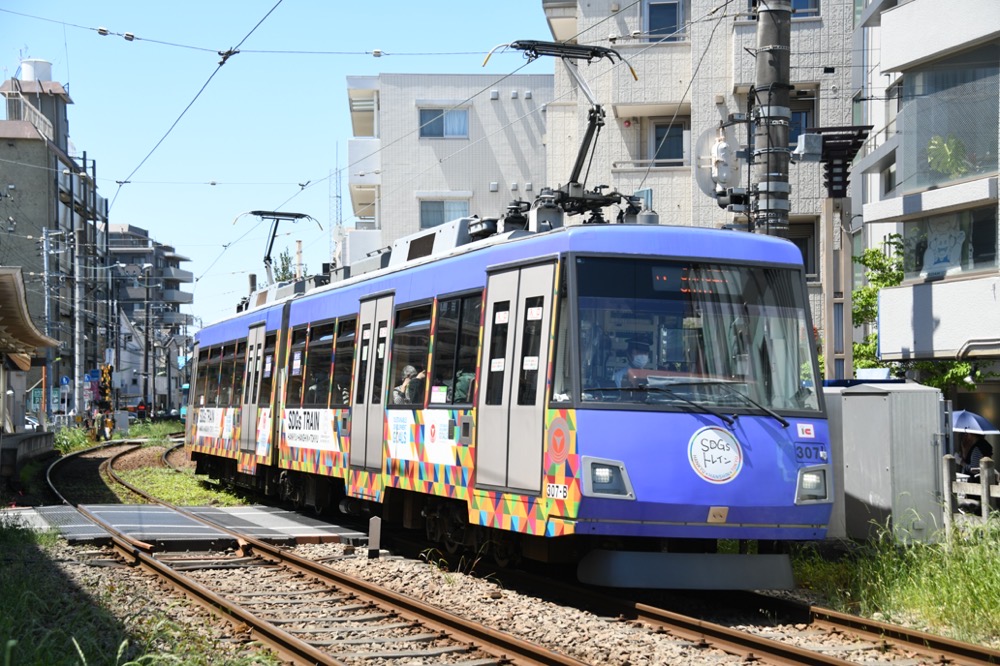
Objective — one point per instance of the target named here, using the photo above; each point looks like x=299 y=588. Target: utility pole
x=145 y=347
x=47 y=370
x=78 y=294
x=770 y=116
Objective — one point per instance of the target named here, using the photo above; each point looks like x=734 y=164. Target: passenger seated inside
x=410 y=390
x=637 y=358
x=462 y=384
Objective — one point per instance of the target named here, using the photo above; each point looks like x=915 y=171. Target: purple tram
x=639 y=400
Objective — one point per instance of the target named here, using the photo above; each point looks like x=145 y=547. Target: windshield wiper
x=767 y=410
x=662 y=389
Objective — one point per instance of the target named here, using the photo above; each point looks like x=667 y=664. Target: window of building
x=410 y=345
x=803 y=234
x=802 y=114
x=668 y=142
x=434 y=213
x=888 y=178
x=948 y=120
x=444 y=123
x=950 y=244
x=665 y=20
x=456 y=348
x=799 y=7
x=805 y=8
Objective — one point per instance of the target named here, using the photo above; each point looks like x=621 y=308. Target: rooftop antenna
x=275 y=217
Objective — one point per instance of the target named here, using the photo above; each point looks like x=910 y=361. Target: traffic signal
x=104 y=385
x=733 y=199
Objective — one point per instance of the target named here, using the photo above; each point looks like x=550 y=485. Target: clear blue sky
x=265 y=122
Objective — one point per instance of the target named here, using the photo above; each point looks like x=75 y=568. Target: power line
x=225 y=57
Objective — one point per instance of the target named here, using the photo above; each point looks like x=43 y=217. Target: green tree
x=884 y=268
x=284 y=271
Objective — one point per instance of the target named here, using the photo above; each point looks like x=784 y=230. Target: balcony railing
x=177 y=274
x=177 y=296
x=19 y=108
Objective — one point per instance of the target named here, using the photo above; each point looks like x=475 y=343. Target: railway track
x=791 y=633
x=311 y=606
x=311 y=614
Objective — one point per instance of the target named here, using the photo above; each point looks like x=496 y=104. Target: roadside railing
x=987 y=490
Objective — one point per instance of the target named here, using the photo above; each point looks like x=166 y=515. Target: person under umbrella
x=972 y=445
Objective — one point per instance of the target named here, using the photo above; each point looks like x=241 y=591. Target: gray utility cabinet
x=887 y=440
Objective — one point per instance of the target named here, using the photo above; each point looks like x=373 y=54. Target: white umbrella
x=966 y=421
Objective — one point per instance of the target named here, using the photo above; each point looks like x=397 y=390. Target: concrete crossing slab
x=168 y=530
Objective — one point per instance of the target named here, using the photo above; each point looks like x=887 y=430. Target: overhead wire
x=225 y=55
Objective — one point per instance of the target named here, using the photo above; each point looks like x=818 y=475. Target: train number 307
x=809 y=453
x=556 y=491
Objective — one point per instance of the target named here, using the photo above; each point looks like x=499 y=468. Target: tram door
x=251 y=386
x=510 y=423
x=368 y=413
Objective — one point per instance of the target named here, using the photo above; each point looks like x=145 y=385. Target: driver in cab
x=637 y=358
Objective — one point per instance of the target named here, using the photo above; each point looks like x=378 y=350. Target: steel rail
x=285 y=644
x=58 y=462
x=502 y=645
x=943 y=650
x=701 y=632
x=750 y=647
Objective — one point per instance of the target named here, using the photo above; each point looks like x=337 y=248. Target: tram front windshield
x=665 y=333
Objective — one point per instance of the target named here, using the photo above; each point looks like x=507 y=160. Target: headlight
x=606 y=477
x=812 y=485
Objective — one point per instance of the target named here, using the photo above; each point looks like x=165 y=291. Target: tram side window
x=343 y=358
x=456 y=348
x=207 y=373
x=380 y=351
x=296 y=367
x=226 y=375
x=562 y=366
x=239 y=371
x=410 y=343
x=527 y=386
x=267 y=372
x=366 y=347
x=320 y=357
x=495 y=369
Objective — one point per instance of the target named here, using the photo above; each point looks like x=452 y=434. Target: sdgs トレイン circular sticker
x=715 y=455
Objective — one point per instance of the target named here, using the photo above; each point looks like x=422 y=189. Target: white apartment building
x=429 y=148
x=931 y=87
x=695 y=62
